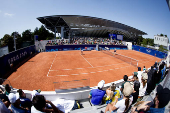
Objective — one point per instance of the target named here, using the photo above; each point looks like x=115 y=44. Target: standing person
x=125 y=78
x=115 y=51
x=97 y=95
x=139 y=74
x=122 y=105
x=144 y=68
x=143 y=86
x=151 y=80
x=135 y=93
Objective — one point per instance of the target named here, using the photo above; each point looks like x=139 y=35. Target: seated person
x=157 y=106
x=40 y=104
x=122 y=105
x=97 y=95
x=5 y=100
x=25 y=102
x=7 y=89
x=15 y=104
x=112 y=94
x=35 y=92
x=3 y=108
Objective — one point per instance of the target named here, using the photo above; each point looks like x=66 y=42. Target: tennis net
x=126 y=59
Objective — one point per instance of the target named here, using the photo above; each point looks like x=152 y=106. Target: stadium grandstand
x=99 y=72
x=86 y=26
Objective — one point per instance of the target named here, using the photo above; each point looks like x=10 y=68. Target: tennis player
x=81 y=51
x=115 y=51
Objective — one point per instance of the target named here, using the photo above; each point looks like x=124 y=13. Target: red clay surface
x=45 y=68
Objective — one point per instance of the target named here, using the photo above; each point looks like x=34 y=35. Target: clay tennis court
x=45 y=68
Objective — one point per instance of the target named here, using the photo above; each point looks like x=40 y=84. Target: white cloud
x=8 y=14
x=0 y=11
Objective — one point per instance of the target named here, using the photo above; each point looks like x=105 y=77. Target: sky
x=150 y=16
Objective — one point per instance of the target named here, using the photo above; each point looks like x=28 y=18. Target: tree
x=27 y=35
x=161 y=34
x=139 y=41
x=150 y=41
x=8 y=41
x=161 y=48
x=165 y=35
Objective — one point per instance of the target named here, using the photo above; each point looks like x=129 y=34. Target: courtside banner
x=78 y=47
x=149 y=51
x=14 y=58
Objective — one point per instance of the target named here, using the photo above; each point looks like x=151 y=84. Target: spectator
x=144 y=68
x=159 y=74
x=5 y=100
x=7 y=89
x=3 y=108
x=135 y=93
x=40 y=103
x=151 y=80
x=143 y=86
x=122 y=105
x=161 y=99
x=139 y=74
x=97 y=95
x=35 y=92
x=112 y=94
x=135 y=78
x=25 y=102
x=15 y=104
x=125 y=78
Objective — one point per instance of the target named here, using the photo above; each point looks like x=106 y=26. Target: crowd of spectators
x=118 y=99
x=132 y=91
x=85 y=40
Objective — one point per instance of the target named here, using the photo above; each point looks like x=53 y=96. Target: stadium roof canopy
x=87 y=26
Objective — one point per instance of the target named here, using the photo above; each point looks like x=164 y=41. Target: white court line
x=53 y=70
x=99 y=66
x=62 y=75
x=92 y=72
x=16 y=77
x=84 y=73
x=67 y=69
x=110 y=69
x=51 y=66
x=99 y=71
x=74 y=74
x=116 y=68
x=79 y=68
x=90 y=67
x=86 y=60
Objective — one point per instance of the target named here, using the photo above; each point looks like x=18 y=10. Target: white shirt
x=120 y=105
x=62 y=104
x=142 y=89
x=140 y=75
